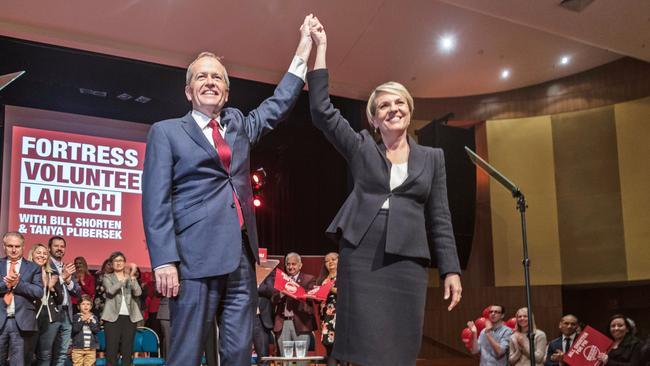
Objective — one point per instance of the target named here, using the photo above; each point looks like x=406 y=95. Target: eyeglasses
x=118 y=260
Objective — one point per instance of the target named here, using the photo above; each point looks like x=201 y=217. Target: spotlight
x=258 y=177
x=257 y=201
x=505 y=73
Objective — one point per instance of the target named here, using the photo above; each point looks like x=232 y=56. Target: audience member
x=519 y=351
x=263 y=321
x=121 y=311
x=45 y=307
x=328 y=307
x=626 y=350
x=21 y=285
x=100 y=296
x=294 y=319
x=85 y=279
x=85 y=326
x=492 y=344
x=54 y=340
x=559 y=346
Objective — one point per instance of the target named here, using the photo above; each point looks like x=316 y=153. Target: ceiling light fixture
x=447 y=43
x=564 y=60
x=505 y=73
x=142 y=99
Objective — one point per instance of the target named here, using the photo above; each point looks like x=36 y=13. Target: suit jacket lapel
x=22 y=267
x=417 y=161
x=192 y=129
x=381 y=148
x=3 y=267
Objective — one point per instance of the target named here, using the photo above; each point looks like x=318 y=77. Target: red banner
x=86 y=189
x=587 y=347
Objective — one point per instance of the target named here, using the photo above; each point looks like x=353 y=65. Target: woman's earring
x=376 y=130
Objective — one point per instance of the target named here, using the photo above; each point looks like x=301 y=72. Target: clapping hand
x=53 y=281
x=11 y=280
x=68 y=270
x=472 y=327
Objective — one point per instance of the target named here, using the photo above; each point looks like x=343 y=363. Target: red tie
x=9 y=295
x=224 y=155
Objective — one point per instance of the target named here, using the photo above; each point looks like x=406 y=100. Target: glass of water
x=287 y=348
x=301 y=348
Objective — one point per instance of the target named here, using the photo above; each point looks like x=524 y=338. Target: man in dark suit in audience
x=21 y=285
x=263 y=323
x=294 y=319
x=559 y=346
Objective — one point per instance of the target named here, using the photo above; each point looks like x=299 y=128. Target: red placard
x=586 y=348
x=287 y=286
x=262 y=253
x=319 y=293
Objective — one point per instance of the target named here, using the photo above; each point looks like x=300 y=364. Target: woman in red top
x=86 y=280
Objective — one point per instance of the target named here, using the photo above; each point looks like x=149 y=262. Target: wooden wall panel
x=522 y=150
x=588 y=197
x=633 y=142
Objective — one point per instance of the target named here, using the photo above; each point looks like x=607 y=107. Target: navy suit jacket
x=75 y=292
x=553 y=346
x=188 y=209
x=419 y=221
x=28 y=289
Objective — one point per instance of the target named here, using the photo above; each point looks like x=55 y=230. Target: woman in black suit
x=396 y=218
x=46 y=311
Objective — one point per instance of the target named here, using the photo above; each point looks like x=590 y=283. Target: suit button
x=233 y=205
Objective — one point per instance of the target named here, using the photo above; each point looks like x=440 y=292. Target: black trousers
x=119 y=337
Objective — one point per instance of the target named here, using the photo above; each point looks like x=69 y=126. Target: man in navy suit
x=21 y=285
x=197 y=207
x=558 y=347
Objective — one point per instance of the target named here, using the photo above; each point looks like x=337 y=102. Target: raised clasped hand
x=317 y=32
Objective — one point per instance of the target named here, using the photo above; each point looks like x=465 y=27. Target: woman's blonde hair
x=30 y=256
x=391 y=87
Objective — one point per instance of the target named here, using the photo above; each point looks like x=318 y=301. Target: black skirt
x=380 y=304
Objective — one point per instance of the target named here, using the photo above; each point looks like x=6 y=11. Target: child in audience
x=84 y=329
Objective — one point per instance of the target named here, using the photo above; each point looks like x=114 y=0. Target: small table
x=278 y=360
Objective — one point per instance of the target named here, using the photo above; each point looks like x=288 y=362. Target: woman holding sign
x=626 y=349
x=391 y=226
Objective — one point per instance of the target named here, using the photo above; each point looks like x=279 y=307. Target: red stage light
x=257 y=202
x=256 y=178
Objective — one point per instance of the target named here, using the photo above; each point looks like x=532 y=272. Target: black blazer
x=419 y=222
x=264 y=293
x=54 y=299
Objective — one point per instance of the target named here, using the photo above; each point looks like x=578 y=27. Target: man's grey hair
x=293 y=254
x=15 y=234
x=188 y=74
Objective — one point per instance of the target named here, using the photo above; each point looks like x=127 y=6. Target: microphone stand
x=521 y=207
